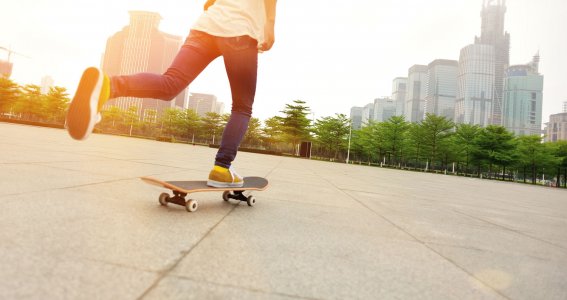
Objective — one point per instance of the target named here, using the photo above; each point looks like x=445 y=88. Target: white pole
x=349 y=135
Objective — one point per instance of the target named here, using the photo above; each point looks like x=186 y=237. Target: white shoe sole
x=82 y=115
x=219 y=184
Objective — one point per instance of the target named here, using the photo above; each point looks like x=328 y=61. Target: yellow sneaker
x=223 y=177
x=84 y=111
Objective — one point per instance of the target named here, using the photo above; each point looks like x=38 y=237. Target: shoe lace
x=233 y=174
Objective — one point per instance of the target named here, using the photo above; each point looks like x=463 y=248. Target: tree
x=254 y=133
x=395 y=135
x=464 y=142
x=111 y=114
x=296 y=125
x=416 y=142
x=190 y=123
x=561 y=154
x=494 y=146
x=533 y=154
x=30 y=102
x=132 y=118
x=332 y=133
x=364 y=142
x=211 y=125
x=273 y=132
x=171 y=119
x=9 y=94
x=436 y=130
x=55 y=104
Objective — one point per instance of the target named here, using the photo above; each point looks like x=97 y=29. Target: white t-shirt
x=230 y=18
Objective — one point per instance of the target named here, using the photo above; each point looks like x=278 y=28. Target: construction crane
x=10 y=52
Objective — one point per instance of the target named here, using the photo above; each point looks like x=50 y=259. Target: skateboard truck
x=179 y=199
x=239 y=195
x=191 y=205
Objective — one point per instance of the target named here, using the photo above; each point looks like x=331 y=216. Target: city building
x=492 y=33
x=204 y=103
x=356 y=117
x=482 y=66
x=220 y=108
x=565 y=106
x=384 y=109
x=441 y=91
x=367 y=114
x=46 y=83
x=6 y=68
x=475 y=85
x=399 y=90
x=523 y=97
x=556 y=128
x=141 y=47
x=414 y=109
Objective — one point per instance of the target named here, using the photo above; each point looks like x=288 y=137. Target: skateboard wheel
x=225 y=196
x=163 y=198
x=251 y=200
x=191 y=205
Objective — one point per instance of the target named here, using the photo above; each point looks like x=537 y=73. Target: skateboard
x=181 y=189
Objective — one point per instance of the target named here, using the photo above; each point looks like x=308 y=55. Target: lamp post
x=349 y=135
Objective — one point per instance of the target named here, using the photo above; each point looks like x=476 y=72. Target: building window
x=534 y=96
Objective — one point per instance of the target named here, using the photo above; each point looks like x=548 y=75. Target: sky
x=333 y=54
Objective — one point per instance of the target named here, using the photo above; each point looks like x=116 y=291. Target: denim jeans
x=240 y=56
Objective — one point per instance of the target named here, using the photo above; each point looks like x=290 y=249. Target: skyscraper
x=384 y=109
x=46 y=84
x=441 y=88
x=415 y=96
x=203 y=103
x=523 y=97
x=356 y=117
x=492 y=33
x=141 y=47
x=367 y=114
x=481 y=69
x=475 y=85
x=399 y=90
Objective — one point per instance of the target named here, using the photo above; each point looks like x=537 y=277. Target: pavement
x=76 y=222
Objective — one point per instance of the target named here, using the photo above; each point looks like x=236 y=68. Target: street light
x=349 y=135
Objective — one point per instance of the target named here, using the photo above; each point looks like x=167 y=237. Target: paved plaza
x=76 y=222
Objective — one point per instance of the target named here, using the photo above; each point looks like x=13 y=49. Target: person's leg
x=95 y=88
x=241 y=62
x=196 y=53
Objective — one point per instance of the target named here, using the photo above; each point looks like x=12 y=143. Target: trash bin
x=305 y=149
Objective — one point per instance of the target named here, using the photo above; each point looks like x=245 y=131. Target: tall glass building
x=384 y=109
x=399 y=91
x=475 y=85
x=492 y=33
x=523 y=97
x=356 y=117
x=141 y=47
x=367 y=114
x=414 y=109
x=441 y=89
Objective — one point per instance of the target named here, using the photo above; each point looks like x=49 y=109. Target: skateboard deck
x=181 y=189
